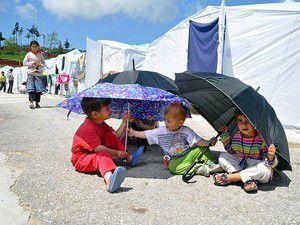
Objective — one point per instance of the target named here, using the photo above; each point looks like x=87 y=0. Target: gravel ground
x=37 y=144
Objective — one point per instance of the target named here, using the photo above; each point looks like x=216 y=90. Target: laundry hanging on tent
x=63 y=78
x=81 y=70
x=203 y=46
x=74 y=69
x=63 y=63
x=56 y=70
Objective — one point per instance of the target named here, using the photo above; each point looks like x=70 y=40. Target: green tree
x=28 y=37
x=44 y=39
x=20 y=35
x=34 y=33
x=37 y=34
x=31 y=33
x=1 y=38
x=60 y=48
x=52 y=40
x=67 y=44
x=15 y=31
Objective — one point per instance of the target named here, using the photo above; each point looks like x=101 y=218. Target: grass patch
x=12 y=55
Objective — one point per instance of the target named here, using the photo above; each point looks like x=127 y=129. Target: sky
x=128 y=21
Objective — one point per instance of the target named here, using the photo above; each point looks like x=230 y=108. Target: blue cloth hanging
x=203 y=46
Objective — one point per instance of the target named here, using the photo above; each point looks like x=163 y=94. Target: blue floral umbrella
x=146 y=103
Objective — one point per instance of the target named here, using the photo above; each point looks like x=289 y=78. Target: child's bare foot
x=106 y=178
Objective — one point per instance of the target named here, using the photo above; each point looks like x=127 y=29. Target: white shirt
x=175 y=143
x=29 y=62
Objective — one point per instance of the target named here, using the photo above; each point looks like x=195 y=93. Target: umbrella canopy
x=216 y=97
x=145 y=103
x=144 y=78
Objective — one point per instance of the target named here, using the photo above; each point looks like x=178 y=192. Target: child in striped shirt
x=248 y=158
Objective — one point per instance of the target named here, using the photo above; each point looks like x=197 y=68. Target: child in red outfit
x=95 y=143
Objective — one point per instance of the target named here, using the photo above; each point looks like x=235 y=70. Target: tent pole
x=133 y=65
x=101 y=70
x=221 y=37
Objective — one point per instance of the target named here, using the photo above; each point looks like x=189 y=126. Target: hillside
x=13 y=56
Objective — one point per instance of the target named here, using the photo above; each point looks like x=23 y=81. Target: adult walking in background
x=2 y=81
x=10 y=78
x=35 y=62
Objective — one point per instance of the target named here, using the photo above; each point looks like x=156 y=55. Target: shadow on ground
x=150 y=166
x=280 y=180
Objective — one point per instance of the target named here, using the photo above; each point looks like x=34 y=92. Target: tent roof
x=120 y=45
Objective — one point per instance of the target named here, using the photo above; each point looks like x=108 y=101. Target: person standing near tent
x=35 y=62
x=2 y=81
x=10 y=77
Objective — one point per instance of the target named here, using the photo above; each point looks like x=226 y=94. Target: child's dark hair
x=89 y=105
x=237 y=113
x=34 y=43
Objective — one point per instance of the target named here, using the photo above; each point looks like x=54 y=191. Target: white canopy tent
x=70 y=61
x=261 y=48
x=104 y=55
x=69 y=58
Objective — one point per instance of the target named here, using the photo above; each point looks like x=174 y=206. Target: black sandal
x=224 y=181
x=252 y=189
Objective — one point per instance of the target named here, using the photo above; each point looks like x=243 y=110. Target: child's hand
x=130 y=132
x=126 y=116
x=122 y=154
x=213 y=141
x=37 y=62
x=131 y=119
x=224 y=129
x=271 y=152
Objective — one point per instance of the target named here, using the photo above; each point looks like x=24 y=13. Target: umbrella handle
x=186 y=176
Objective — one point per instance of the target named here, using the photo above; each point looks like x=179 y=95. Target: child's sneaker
x=202 y=169
x=214 y=167
x=207 y=168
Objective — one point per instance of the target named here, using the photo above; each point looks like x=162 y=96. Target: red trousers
x=100 y=161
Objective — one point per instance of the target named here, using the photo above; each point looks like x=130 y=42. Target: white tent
x=18 y=73
x=70 y=57
x=103 y=56
x=70 y=61
x=51 y=64
x=261 y=48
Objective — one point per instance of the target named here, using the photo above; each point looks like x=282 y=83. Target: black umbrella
x=144 y=78
x=216 y=97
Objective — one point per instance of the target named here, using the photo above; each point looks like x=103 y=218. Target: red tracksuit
x=88 y=136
